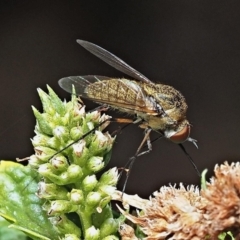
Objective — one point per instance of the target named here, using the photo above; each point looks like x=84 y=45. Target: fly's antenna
x=190 y=159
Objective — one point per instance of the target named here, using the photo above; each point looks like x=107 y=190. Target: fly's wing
x=113 y=60
x=122 y=94
x=80 y=83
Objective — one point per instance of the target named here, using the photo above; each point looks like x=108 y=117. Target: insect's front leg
x=138 y=154
x=146 y=138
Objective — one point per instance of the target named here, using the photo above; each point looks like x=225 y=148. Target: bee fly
x=158 y=107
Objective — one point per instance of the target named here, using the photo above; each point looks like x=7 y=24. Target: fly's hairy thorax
x=171 y=100
x=173 y=105
x=161 y=106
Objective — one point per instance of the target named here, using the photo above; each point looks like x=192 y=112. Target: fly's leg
x=101 y=108
x=124 y=120
x=131 y=161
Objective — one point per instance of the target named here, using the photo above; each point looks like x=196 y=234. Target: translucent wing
x=122 y=94
x=113 y=60
x=80 y=83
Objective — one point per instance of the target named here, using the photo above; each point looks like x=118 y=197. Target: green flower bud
x=93 y=199
x=110 y=177
x=90 y=125
x=74 y=174
x=76 y=196
x=45 y=169
x=65 y=119
x=59 y=207
x=70 y=237
x=89 y=183
x=59 y=163
x=78 y=147
x=44 y=154
x=108 y=227
x=92 y=233
x=61 y=133
x=95 y=164
x=34 y=161
x=80 y=111
x=43 y=123
x=76 y=133
x=103 y=118
x=49 y=168
x=64 y=225
x=40 y=140
x=100 y=143
x=106 y=190
x=80 y=154
x=56 y=120
x=86 y=125
x=93 y=116
x=54 y=142
x=51 y=191
x=76 y=112
x=110 y=141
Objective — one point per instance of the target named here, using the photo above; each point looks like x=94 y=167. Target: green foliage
x=223 y=236
x=10 y=233
x=19 y=203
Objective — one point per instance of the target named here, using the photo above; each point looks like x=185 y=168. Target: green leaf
x=19 y=203
x=8 y=233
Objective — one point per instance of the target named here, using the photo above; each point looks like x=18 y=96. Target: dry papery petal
x=173 y=214
x=127 y=232
x=223 y=196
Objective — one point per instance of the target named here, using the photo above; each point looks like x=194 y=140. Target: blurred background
x=191 y=45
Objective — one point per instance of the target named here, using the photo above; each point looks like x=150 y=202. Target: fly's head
x=180 y=133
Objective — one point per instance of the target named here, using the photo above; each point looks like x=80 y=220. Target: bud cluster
x=70 y=148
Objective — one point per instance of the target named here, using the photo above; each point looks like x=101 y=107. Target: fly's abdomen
x=117 y=93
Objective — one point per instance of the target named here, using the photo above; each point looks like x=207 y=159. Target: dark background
x=191 y=45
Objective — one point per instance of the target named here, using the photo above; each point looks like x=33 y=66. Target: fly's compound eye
x=181 y=136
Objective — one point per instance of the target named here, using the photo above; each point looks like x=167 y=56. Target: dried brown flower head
x=184 y=213
x=223 y=197
x=127 y=232
x=173 y=214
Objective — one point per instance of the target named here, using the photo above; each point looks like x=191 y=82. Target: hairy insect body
x=160 y=106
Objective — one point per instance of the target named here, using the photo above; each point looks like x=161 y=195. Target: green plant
x=71 y=201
